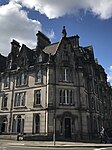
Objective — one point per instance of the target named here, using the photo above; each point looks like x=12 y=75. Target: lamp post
x=54 y=130
x=54 y=118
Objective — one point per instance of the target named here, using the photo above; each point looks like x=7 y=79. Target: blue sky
x=91 y=20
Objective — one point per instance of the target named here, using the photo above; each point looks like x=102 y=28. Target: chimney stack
x=42 y=40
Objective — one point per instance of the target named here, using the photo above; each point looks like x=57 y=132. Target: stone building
x=54 y=88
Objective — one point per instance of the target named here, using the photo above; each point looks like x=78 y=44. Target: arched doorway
x=4 y=125
x=37 y=123
x=20 y=124
x=68 y=127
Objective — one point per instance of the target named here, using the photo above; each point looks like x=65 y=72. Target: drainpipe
x=46 y=130
x=80 y=114
x=12 y=101
x=90 y=109
x=54 y=119
x=53 y=107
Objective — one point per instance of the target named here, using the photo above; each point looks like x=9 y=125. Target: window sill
x=20 y=107
x=37 y=105
x=63 y=81
x=6 y=88
x=4 y=108
x=66 y=105
x=17 y=86
x=38 y=83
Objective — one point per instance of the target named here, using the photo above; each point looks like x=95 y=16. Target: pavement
x=60 y=144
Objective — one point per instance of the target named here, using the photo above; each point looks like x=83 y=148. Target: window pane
x=65 y=74
x=64 y=97
x=37 y=97
x=4 y=101
x=19 y=99
x=67 y=96
x=60 y=96
x=39 y=76
x=6 y=83
x=36 y=123
x=70 y=97
x=40 y=58
x=21 y=79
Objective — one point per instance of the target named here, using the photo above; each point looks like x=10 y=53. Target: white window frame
x=36 y=125
x=21 y=79
x=19 y=99
x=66 y=74
x=37 y=96
x=4 y=101
x=65 y=97
x=15 y=123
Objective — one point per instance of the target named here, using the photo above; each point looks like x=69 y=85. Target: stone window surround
x=19 y=99
x=66 y=97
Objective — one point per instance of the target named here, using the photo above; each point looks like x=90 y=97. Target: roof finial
x=64 y=32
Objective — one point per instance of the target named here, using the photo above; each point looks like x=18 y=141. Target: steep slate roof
x=30 y=53
x=51 y=49
x=27 y=52
x=2 y=63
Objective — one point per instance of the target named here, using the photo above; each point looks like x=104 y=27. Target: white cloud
x=58 y=8
x=109 y=76
x=102 y=8
x=50 y=34
x=14 y=23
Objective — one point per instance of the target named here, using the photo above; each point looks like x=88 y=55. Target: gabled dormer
x=11 y=62
x=25 y=57
x=40 y=57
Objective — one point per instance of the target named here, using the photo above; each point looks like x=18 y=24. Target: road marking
x=100 y=148
x=25 y=147
x=16 y=144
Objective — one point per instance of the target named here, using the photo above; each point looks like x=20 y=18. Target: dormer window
x=6 y=82
x=65 y=55
x=38 y=76
x=66 y=74
x=22 y=62
x=40 y=58
x=9 y=64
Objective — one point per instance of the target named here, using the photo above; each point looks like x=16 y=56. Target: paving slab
x=51 y=144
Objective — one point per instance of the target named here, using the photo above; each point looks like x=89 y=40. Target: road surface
x=41 y=148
